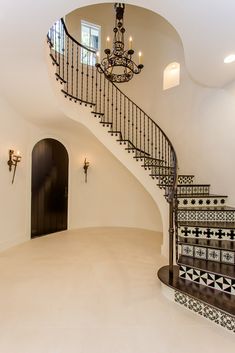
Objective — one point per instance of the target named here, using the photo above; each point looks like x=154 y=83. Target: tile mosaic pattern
x=219 y=282
x=205 y=253
x=206 y=215
x=207 y=233
x=182 y=179
x=201 y=201
x=187 y=250
x=165 y=180
x=209 y=312
x=227 y=256
x=185 y=179
x=213 y=255
x=200 y=253
x=193 y=189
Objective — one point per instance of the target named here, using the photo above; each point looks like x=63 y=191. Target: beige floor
x=95 y=291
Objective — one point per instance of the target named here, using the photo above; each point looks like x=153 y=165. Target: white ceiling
x=206 y=27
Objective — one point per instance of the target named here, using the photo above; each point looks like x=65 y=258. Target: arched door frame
x=66 y=149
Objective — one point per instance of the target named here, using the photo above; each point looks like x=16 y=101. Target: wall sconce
x=14 y=159
x=85 y=167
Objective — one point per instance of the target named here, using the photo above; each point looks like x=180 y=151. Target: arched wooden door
x=49 y=204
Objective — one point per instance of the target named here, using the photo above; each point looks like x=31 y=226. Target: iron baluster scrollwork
x=125 y=118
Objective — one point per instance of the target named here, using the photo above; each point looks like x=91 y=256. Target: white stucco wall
x=112 y=196
x=197 y=119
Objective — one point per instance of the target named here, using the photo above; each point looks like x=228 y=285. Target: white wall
x=15 y=133
x=198 y=120
x=112 y=196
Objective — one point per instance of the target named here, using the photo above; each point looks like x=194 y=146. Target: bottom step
x=210 y=303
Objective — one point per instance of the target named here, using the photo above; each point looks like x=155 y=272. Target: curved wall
x=198 y=120
x=111 y=197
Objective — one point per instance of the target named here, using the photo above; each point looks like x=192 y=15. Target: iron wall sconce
x=85 y=167
x=12 y=162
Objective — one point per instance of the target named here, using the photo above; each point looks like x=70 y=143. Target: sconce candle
x=107 y=42
x=130 y=42
x=13 y=160
x=85 y=167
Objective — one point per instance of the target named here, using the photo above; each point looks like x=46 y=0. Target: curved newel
x=76 y=71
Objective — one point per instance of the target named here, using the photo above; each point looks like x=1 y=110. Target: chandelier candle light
x=118 y=65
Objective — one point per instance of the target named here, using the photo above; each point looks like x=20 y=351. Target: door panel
x=49 y=206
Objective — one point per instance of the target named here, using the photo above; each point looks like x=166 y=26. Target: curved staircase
x=201 y=226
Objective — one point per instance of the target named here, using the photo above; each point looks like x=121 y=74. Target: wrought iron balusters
x=83 y=82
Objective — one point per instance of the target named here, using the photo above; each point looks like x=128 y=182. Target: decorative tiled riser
x=204 y=233
x=207 y=311
x=182 y=179
x=210 y=254
x=185 y=179
x=207 y=215
x=200 y=201
x=158 y=170
x=219 y=282
x=196 y=190
x=165 y=180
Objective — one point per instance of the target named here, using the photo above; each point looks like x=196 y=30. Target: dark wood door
x=49 y=206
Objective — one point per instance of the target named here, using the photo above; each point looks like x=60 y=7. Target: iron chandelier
x=118 y=65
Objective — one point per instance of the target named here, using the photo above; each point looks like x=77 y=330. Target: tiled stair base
x=209 y=303
x=205 y=310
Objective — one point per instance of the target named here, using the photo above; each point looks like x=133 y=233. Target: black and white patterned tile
x=185 y=179
x=193 y=189
x=193 y=202
x=206 y=215
x=200 y=252
x=213 y=255
x=206 y=233
x=207 y=311
x=222 y=283
x=205 y=253
x=187 y=250
x=227 y=256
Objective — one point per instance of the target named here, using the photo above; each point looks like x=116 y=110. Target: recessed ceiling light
x=229 y=59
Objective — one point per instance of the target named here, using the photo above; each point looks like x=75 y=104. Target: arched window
x=171 y=75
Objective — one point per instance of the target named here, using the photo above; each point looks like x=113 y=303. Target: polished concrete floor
x=96 y=291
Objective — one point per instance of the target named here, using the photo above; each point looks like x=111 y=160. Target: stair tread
x=207 y=224
x=97 y=113
x=194 y=185
x=76 y=98
x=160 y=174
x=200 y=196
x=154 y=159
x=210 y=243
x=207 y=208
x=145 y=154
x=218 y=299
x=217 y=268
